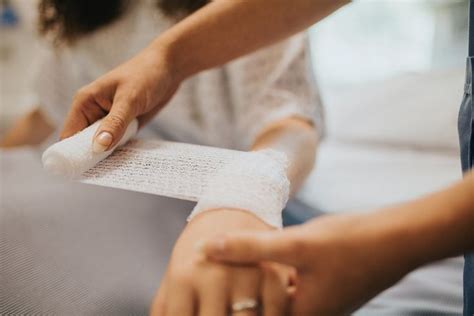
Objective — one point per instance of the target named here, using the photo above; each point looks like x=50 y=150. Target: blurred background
x=368 y=40
x=391 y=74
x=376 y=39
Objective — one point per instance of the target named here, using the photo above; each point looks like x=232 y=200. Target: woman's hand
x=138 y=88
x=341 y=261
x=194 y=285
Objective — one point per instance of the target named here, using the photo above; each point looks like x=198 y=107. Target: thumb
x=114 y=125
x=277 y=246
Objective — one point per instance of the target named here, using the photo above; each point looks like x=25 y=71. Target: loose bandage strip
x=214 y=177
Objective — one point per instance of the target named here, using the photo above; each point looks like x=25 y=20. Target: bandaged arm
x=273 y=107
x=252 y=181
x=296 y=138
x=291 y=138
x=276 y=108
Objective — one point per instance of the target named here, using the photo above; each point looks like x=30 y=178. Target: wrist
x=385 y=238
x=171 y=53
x=435 y=227
x=239 y=218
x=211 y=225
x=164 y=55
x=217 y=222
x=253 y=181
x=225 y=220
x=403 y=239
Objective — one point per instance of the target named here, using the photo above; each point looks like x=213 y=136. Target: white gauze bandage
x=73 y=156
x=214 y=177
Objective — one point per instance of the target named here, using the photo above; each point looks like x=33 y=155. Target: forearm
x=298 y=140
x=438 y=226
x=224 y=30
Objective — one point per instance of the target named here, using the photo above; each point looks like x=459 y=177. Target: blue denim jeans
x=466 y=137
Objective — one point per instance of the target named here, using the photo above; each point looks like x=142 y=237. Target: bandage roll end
x=73 y=156
x=57 y=165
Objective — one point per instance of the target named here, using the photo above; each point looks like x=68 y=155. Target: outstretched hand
x=193 y=285
x=341 y=261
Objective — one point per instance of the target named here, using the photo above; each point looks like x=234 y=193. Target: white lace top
x=223 y=107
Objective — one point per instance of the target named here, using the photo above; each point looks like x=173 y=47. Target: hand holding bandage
x=135 y=90
x=215 y=177
x=73 y=156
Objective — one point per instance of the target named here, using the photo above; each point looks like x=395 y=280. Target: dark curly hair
x=67 y=20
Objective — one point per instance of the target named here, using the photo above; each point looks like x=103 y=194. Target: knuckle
x=216 y=272
x=243 y=244
x=183 y=277
x=211 y=274
x=133 y=95
x=82 y=94
x=116 y=122
x=88 y=106
x=136 y=99
x=271 y=274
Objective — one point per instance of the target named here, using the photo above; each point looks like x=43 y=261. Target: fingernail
x=102 y=142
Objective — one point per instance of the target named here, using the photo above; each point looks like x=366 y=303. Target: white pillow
x=410 y=110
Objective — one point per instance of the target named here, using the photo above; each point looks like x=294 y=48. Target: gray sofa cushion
x=74 y=249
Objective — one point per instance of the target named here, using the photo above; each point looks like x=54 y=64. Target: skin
x=191 y=284
x=143 y=85
x=446 y=219
x=381 y=247
x=194 y=286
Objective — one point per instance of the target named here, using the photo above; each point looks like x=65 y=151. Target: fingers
x=180 y=301
x=84 y=111
x=114 y=125
x=246 y=287
x=213 y=299
x=158 y=306
x=282 y=246
x=173 y=298
x=275 y=298
x=217 y=293
x=90 y=104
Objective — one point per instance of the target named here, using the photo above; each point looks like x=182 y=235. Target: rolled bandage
x=73 y=156
x=214 y=177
